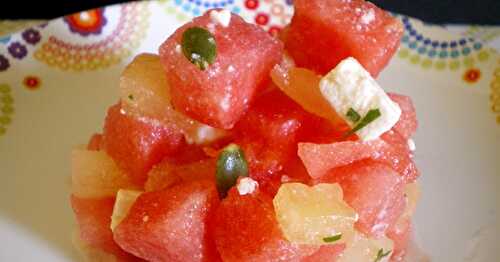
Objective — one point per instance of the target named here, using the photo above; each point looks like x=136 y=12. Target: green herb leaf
x=353 y=115
x=369 y=117
x=199 y=47
x=381 y=254
x=131 y=97
x=231 y=164
x=332 y=238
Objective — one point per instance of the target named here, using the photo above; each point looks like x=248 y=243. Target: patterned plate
x=57 y=79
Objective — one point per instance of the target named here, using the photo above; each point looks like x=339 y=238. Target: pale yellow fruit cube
x=144 y=91
x=412 y=195
x=94 y=174
x=90 y=253
x=308 y=215
x=124 y=201
x=362 y=248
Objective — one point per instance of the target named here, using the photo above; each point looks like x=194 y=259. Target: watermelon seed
x=231 y=164
x=199 y=47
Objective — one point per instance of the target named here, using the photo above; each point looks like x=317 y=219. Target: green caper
x=199 y=47
x=231 y=164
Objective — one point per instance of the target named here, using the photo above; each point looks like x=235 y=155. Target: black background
x=434 y=11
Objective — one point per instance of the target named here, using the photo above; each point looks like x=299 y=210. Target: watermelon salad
x=232 y=144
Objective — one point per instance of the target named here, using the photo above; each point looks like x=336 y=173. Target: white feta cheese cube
x=411 y=145
x=348 y=86
x=222 y=17
x=246 y=186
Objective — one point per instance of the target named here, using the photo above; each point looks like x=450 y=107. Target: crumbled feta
x=246 y=186
x=222 y=17
x=348 y=86
x=368 y=17
x=205 y=134
x=411 y=145
x=195 y=56
x=211 y=28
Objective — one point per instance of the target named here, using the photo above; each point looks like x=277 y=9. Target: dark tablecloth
x=433 y=11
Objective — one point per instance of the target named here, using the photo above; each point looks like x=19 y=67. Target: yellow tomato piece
x=311 y=215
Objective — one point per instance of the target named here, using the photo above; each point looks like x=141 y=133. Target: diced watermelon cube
x=94 y=218
x=136 y=144
x=326 y=253
x=94 y=143
x=171 y=224
x=324 y=32
x=400 y=235
x=269 y=134
x=320 y=158
x=221 y=93
x=246 y=229
x=374 y=190
x=398 y=155
x=168 y=173
x=95 y=175
x=407 y=124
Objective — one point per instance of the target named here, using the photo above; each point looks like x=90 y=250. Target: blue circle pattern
x=197 y=7
x=432 y=48
x=5 y=39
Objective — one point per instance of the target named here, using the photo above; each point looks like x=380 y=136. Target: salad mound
x=231 y=144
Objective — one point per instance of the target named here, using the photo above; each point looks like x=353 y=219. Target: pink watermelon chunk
x=137 y=144
x=398 y=156
x=94 y=217
x=375 y=192
x=221 y=93
x=324 y=32
x=407 y=124
x=246 y=229
x=168 y=173
x=269 y=134
x=172 y=224
x=326 y=253
x=400 y=235
x=94 y=143
x=319 y=159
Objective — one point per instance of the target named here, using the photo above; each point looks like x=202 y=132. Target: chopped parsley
x=131 y=97
x=353 y=115
x=332 y=238
x=381 y=254
x=369 y=117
